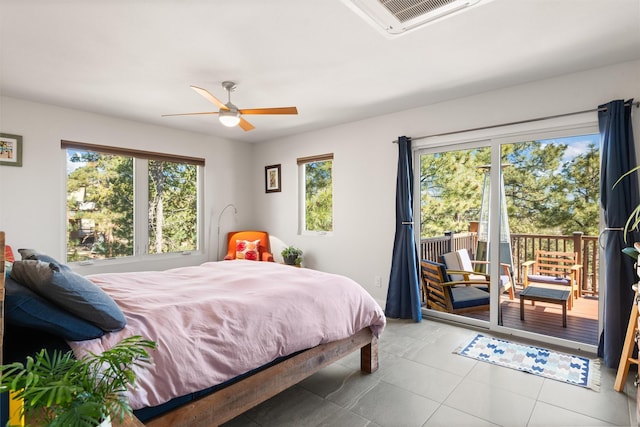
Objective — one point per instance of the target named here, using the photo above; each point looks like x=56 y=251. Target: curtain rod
x=628 y=103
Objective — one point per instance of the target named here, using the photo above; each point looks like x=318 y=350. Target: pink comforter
x=218 y=320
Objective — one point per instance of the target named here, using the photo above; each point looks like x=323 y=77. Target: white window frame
x=302 y=223
x=141 y=198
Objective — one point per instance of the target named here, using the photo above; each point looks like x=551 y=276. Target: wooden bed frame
x=235 y=399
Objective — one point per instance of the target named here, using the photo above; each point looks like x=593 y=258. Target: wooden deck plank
x=543 y=318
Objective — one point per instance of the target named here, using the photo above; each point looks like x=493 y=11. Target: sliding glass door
x=455 y=211
x=552 y=192
x=528 y=193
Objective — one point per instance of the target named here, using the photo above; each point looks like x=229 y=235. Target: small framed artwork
x=272 y=179
x=10 y=150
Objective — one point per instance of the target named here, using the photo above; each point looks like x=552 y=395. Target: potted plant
x=292 y=255
x=60 y=390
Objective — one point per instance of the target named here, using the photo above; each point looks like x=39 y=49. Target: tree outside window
x=103 y=207
x=318 y=193
x=551 y=186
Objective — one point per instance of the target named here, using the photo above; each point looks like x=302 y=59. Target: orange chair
x=264 y=248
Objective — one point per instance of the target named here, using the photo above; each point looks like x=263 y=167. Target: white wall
x=365 y=164
x=32 y=208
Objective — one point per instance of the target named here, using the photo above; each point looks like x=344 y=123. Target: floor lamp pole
x=235 y=211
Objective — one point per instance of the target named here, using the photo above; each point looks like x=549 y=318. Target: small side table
x=554 y=296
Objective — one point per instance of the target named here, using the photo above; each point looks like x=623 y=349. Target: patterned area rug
x=567 y=368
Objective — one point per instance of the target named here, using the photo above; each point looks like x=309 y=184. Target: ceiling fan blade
x=190 y=114
x=280 y=110
x=210 y=97
x=245 y=125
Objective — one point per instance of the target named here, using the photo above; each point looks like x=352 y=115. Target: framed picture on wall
x=10 y=150
x=272 y=179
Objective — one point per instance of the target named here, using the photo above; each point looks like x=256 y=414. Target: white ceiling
x=137 y=58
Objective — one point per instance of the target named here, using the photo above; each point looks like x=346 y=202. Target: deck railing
x=432 y=248
x=523 y=248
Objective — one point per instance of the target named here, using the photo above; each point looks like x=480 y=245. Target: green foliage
x=319 y=196
x=292 y=255
x=451 y=190
x=61 y=391
x=106 y=182
x=531 y=186
x=544 y=194
x=633 y=221
x=577 y=203
x=173 y=207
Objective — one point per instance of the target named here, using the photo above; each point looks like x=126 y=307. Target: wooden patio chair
x=460 y=296
x=554 y=269
x=461 y=267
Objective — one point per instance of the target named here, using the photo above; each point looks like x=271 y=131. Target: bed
x=279 y=319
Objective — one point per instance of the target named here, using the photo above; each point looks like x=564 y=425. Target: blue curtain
x=618 y=157
x=403 y=296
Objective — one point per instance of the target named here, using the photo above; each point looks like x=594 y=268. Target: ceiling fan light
x=229 y=118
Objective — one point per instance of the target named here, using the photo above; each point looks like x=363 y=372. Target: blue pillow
x=7 y=269
x=27 y=309
x=70 y=291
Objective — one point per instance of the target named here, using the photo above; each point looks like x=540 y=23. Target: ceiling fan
x=230 y=115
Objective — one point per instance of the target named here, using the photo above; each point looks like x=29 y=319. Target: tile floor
x=421 y=383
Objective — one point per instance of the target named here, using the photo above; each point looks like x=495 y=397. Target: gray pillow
x=34 y=272
x=33 y=254
x=70 y=291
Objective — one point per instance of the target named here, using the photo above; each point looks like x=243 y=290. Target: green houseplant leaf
x=633 y=221
x=59 y=390
x=292 y=255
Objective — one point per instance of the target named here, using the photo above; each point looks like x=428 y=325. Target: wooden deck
x=544 y=318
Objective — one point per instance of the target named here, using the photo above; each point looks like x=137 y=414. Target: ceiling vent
x=396 y=17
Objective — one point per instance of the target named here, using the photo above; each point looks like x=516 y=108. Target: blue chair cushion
x=549 y=280
x=468 y=296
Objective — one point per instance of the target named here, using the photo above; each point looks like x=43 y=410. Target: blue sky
x=576 y=145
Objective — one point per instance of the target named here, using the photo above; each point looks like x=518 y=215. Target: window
x=123 y=203
x=317 y=188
